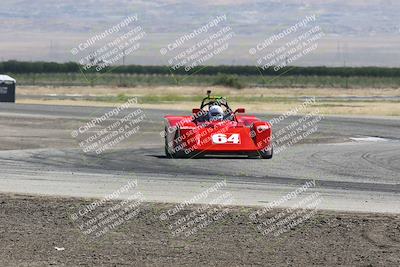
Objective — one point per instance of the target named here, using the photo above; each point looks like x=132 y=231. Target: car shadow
x=206 y=157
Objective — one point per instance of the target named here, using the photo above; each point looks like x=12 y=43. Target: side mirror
x=196 y=110
x=240 y=110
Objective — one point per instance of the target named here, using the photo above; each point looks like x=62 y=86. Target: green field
x=235 y=81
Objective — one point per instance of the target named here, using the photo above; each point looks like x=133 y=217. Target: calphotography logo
x=213 y=205
x=107 y=131
x=286 y=47
x=106 y=214
x=196 y=48
x=111 y=46
x=298 y=129
x=290 y=216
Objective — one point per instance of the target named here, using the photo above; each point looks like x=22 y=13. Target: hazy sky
x=354 y=32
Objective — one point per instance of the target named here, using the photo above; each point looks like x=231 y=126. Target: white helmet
x=215 y=113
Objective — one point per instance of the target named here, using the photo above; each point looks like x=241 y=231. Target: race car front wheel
x=267 y=154
x=174 y=154
x=167 y=154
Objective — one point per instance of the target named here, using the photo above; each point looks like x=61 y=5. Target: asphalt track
x=351 y=174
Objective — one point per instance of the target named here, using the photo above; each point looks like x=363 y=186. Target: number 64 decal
x=225 y=138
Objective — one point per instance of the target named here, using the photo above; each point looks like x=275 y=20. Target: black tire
x=167 y=154
x=181 y=155
x=254 y=156
x=267 y=154
x=176 y=154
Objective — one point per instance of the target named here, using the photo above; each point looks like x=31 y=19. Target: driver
x=215 y=113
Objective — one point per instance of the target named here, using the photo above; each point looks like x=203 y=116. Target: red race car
x=215 y=129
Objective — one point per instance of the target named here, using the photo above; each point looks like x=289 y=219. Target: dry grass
x=199 y=90
x=328 y=108
x=280 y=105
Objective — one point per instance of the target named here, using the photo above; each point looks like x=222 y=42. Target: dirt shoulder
x=364 y=101
x=32 y=226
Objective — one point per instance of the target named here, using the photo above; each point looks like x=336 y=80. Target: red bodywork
x=243 y=134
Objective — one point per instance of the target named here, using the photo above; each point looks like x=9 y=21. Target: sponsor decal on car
x=220 y=138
